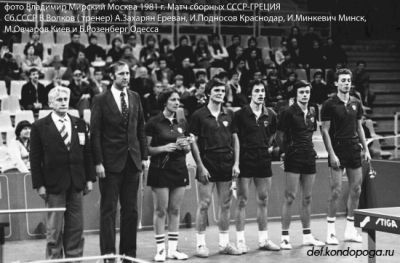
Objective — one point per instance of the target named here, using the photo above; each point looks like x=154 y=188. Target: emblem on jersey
x=266 y=123
x=225 y=123
x=354 y=107
x=312 y=119
x=180 y=130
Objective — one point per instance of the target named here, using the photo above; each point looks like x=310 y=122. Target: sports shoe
x=351 y=235
x=285 y=245
x=242 y=247
x=160 y=256
x=229 y=249
x=310 y=240
x=176 y=254
x=202 y=251
x=331 y=239
x=269 y=245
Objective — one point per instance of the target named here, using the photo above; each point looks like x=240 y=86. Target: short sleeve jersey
x=298 y=128
x=214 y=134
x=254 y=133
x=343 y=117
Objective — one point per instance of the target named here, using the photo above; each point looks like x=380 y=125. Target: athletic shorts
x=219 y=165
x=300 y=161
x=255 y=163
x=348 y=152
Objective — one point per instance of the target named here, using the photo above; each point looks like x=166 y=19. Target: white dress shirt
x=58 y=123
x=117 y=97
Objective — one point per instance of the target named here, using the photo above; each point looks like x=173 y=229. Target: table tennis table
x=385 y=219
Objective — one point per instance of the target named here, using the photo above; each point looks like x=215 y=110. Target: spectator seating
x=16 y=88
x=10 y=105
x=63 y=38
x=5 y=122
x=47 y=38
x=3 y=90
x=25 y=115
x=301 y=74
x=74 y=112
x=57 y=50
x=263 y=42
x=275 y=42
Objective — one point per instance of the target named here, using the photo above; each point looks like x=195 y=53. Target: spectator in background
x=162 y=73
x=309 y=39
x=254 y=62
x=281 y=53
x=187 y=72
x=319 y=89
x=151 y=106
x=96 y=82
x=9 y=69
x=136 y=47
x=129 y=58
x=334 y=54
x=31 y=60
x=218 y=52
x=195 y=101
x=236 y=42
x=180 y=87
x=237 y=98
x=81 y=63
x=184 y=50
x=237 y=56
x=295 y=33
x=20 y=147
x=315 y=56
x=149 y=51
x=201 y=75
x=202 y=54
x=296 y=53
x=115 y=53
x=142 y=84
x=361 y=82
x=35 y=42
x=34 y=94
x=94 y=52
x=167 y=52
x=80 y=92
x=72 y=49
x=243 y=73
x=275 y=90
x=252 y=45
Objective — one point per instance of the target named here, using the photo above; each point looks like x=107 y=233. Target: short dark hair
x=252 y=84
x=32 y=70
x=211 y=84
x=75 y=33
x=342 y=71
x=318 y=73
x=20 y=126
x=92 y=36
x=298 y=85
x=165 y=95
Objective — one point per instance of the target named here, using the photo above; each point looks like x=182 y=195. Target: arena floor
x=22 y=251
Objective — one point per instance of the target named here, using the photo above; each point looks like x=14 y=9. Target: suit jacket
x=29 y=95
x=112 y=142
x=52 y=165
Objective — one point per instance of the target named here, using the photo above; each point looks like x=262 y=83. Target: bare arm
x=236 y=151
x=334 y=161
x=154 y=150
x=361 y=135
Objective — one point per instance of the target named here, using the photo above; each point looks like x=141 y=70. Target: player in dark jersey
x=255 y=126
x=296 y=126
x=342 y=134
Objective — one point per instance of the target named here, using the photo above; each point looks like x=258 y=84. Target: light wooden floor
x=21 y=251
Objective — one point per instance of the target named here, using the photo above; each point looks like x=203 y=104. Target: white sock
x=173 y=241
x=262 y=236
x=350 y=223
x=223 y=239
x=331 y=225
x=160 y=240
x=240 y=236
x=285 y=235
x=201 y=239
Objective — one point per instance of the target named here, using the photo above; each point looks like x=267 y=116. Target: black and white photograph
x=136 y=131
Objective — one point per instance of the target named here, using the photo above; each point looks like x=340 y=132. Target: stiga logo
x=386 y=222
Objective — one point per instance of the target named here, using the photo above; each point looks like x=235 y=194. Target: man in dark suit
x=33 y=93
x=119 y=150
x=71 y=50
x=62 y=171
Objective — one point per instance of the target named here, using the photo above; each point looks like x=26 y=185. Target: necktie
x=64 y=134
x=124 y=109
